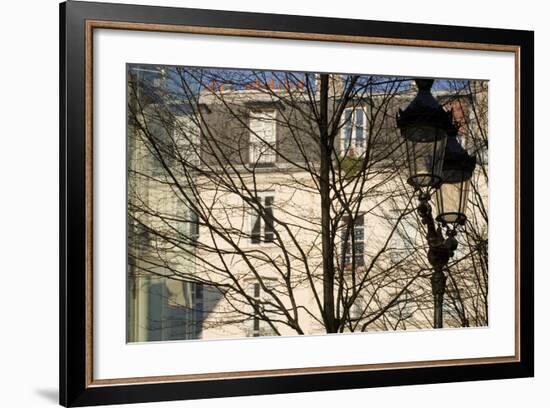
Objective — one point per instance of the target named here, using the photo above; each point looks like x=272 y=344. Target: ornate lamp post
x=437 y=164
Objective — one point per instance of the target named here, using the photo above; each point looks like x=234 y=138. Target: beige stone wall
x=395 y=253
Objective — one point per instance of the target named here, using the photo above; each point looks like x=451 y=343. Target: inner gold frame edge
x=102 y=24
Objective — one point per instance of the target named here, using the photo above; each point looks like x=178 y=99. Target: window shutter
x=256 y=229
x=269 y=228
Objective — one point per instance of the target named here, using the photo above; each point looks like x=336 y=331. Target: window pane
x=359 y=122
x=359 y=251
x=359 y=233
x=357 y=248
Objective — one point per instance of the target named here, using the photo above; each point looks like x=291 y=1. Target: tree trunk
x=326 y=232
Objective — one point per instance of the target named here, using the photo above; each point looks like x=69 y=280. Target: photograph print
x=280 y=203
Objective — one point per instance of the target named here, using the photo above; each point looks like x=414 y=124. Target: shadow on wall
x=51 y=395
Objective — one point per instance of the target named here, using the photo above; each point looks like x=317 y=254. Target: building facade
x=226 y=231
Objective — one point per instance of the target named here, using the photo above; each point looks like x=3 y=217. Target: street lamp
x=437 y=163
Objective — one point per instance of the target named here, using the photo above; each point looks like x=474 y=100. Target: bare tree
x=281 y=195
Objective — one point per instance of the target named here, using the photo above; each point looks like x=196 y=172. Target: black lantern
x=452 y=195
x=424 y=125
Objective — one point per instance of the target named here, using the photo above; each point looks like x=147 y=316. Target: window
x=140 y=235
x=189 y=223
x=263 y=226
x=262 y=138
x=162 y=141
x=178 y=143
x=186 y=134
x=353 y=241
x=258 y=324
x=353 y=132
x=198 y=295
x=194 y=227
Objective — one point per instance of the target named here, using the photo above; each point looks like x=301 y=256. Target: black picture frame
x=76 y=387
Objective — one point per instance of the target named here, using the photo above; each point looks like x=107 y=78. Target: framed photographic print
x=256 y=203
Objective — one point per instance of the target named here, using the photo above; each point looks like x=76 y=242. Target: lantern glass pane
x=451 y=200
x=425 y=149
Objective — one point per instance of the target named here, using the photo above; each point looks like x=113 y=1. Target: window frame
x=345 y=237
x=254 y=215
x=352 y=150
x=255 y=144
